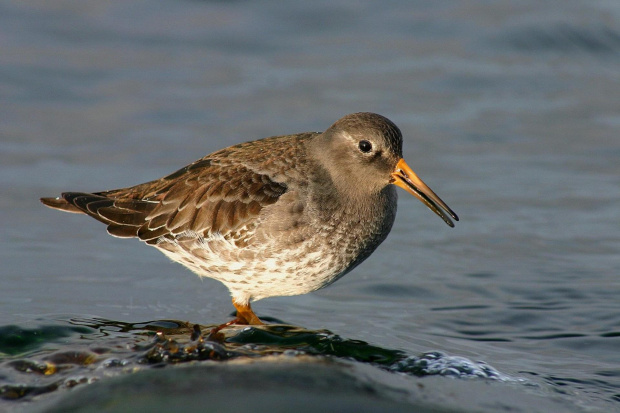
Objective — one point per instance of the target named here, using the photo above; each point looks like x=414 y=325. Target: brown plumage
x=279 y=216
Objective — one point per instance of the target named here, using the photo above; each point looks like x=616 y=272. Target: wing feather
x=201 y=200
x=223 y=193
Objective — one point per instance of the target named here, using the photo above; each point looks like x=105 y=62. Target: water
x=510 y=113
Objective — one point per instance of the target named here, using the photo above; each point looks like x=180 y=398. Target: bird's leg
x=245 y=315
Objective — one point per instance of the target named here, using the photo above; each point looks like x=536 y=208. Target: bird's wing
x=201 y=199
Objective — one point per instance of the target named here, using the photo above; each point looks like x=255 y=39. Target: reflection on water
x=52 y=357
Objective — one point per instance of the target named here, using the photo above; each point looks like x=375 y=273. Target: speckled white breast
x=258 y=273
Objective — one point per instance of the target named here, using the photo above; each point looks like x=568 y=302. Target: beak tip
x=455 y=217
x=405 y=178
x=449 y=222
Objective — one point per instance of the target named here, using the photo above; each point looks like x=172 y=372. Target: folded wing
x=196 y=201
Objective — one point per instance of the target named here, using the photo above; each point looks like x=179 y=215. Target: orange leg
x=245 y=315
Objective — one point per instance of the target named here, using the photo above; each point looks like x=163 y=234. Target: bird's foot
x=245 y=316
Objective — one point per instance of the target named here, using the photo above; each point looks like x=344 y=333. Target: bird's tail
x=124 y=217
x=61 y=204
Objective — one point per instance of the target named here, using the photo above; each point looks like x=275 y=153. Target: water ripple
x=32 y=362
x=566 y=38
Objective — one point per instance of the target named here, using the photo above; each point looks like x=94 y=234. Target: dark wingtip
x=57 y=202
x=60 y=203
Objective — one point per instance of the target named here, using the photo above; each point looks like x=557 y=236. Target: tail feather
x=123 y=217
x=61 y=204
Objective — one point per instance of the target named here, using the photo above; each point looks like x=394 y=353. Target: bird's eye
x=365 y=146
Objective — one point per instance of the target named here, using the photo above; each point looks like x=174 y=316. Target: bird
x=279 y=216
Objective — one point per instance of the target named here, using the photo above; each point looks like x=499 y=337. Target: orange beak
x=404 y=177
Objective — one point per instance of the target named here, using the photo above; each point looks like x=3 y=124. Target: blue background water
x=510 y=113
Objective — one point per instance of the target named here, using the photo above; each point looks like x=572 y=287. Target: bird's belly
x=260 y=272
x=291 y=272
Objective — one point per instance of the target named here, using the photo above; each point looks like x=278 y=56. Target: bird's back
x=219 y=193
